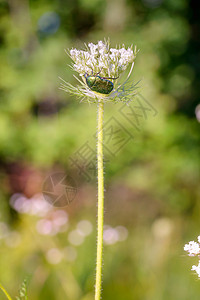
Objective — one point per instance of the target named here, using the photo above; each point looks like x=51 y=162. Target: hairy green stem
x=100 y=201
x=5 y=292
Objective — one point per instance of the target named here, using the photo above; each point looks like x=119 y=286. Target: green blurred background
x=152 y=205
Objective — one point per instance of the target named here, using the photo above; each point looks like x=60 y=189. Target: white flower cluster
x=193 y=249
x=196 y=269
x=100 y=58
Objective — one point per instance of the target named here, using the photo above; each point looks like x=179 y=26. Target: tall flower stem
x=100 y=200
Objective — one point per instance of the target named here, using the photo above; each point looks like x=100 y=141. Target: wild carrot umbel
x=100 y=67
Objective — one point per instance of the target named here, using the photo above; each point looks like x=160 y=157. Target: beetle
x=99 y=84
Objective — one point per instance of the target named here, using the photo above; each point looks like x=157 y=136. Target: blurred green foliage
x=152 y=184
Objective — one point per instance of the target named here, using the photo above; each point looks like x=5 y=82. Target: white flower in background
x=104 y=63
x=196 y=269
x=193 y=249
